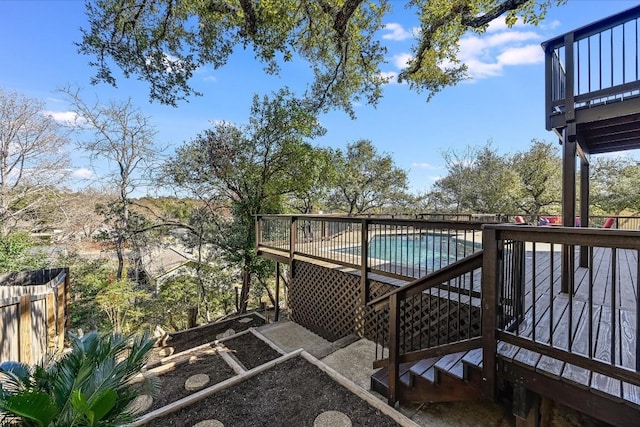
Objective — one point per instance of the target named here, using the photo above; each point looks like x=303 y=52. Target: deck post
x=292 y=237
x=490 y=266
x=568 y=199
x=364 y=260
x=584 y=207
x=394 y=349
x=276 y=314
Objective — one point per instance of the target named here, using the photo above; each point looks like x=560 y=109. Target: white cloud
x=486 y=56
x=210 y=79
x=401 y=60
x=67 y=117
x=397 y=32
x=389 y=76
x=551 y=25
x=425 y=165
x=83 y=173
x=530 y=54
x=499 y=24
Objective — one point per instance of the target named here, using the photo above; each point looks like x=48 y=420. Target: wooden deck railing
x=589 y=335
x=431 y=316
x=400 y=248
x=593 y=65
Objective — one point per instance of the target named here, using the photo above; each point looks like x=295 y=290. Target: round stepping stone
x=245 y=320
x=225 y=334
x=196 y=382
x=209 y=423
x=332 y=419
x=141 y=404
x=166 y=351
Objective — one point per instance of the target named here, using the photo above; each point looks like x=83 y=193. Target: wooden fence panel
x=9 y=328
x=34 y=310
x=38 y=329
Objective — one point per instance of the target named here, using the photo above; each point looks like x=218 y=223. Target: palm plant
x=89 y=386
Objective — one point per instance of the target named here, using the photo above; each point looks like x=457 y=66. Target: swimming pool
x=414 y=254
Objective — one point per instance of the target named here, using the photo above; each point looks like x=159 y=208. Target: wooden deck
x=603 y=330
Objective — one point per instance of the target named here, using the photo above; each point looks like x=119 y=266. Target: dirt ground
x=190 y=338
x=250 y=350
x=247 y=349
x=292 y=393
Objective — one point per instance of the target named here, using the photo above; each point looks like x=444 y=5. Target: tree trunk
x=244 y=292
x=120 y=255
x=193 y=317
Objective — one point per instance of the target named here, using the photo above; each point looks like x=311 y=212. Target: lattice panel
x=325 y=301
x=377 y=322
x=329 y=303
x=425 y=320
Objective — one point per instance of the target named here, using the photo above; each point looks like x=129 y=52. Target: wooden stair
x=452 y=377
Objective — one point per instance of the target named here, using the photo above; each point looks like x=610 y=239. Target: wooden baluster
x=394 y=349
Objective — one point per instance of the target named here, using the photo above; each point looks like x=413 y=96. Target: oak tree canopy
x=164 y=41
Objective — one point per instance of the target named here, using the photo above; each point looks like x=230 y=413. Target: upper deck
x=592 y=80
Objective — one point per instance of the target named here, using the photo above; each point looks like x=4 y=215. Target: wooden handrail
x=393 y=301
x=431 y=280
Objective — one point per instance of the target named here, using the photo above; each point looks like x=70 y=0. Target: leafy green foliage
x=614 y=185
x=122 y=301
x=366 y=181
x=89 y=386
x=540 y=173
x=209 y=292
x=480 y=180
x=88 y=277
x=247 y=171
x=165 y=41
x=17 y=253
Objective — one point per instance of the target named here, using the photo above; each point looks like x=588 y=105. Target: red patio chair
x=608 y=223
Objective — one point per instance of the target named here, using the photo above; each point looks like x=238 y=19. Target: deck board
x=550 y=320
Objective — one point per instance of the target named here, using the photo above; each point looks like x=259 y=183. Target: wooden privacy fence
x=34 y=313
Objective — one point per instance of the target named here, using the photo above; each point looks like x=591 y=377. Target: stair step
x=473 y=358
x=429 y=375
x=452 y=364
x=419 y=368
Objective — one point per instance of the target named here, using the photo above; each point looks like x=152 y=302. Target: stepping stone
x=166 y=351
x=209 y=423
x=332 y=419
x=225 y=334
x=245 y=320
x=196 y=382
x=141 y=404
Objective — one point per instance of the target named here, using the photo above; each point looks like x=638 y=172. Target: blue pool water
x=426 y=252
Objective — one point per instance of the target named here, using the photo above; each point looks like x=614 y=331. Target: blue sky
x=503 y=102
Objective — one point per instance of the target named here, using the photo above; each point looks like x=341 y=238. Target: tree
x=121 y=300
x=540 y=173
x=248 y=170
x=451 y=192
x=479 y=180
x=120 y=134
x=89 y=386
x=320 y=175
x=614 y=184
x=366 y=180
x=32 y=158
x=165 y=41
